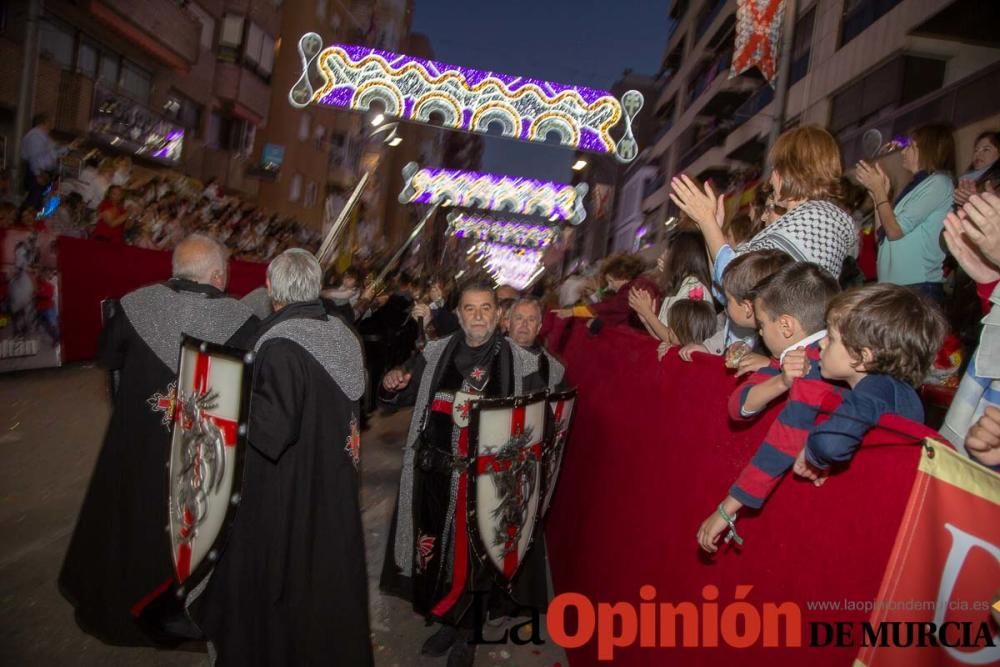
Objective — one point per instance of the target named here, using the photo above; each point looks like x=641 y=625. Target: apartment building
x=856 y=65
x=121 y=71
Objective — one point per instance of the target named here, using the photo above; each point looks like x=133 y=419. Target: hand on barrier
x=803 y=469
x=751 y=362
x=686 y=351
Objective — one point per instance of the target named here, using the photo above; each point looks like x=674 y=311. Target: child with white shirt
x=790 y=310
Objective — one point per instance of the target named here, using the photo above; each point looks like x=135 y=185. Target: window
x=255 y=36
x=319 y=134
x=86 y=59
x=231 y=35
x=184 y=110
x=266 y=64
x=107 y=71
x=56 y=42
x=295 y=188
x=259 y=51
x=136 y=82
x=207 y=25
x=310 y=199
x=304 y=124
x=801 y=45
x=321 y=9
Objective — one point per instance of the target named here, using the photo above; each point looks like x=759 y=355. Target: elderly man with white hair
x=290 y=588
x=118 y=564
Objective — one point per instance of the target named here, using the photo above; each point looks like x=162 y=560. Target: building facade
x=116 y=71
x=856 y=65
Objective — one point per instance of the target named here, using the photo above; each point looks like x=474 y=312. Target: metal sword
x=326 y=251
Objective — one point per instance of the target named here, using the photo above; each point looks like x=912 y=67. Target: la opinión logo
x=573 y=621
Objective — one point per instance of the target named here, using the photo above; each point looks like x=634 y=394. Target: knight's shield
x=561 y=417
x=206 y=454
x=505 y=473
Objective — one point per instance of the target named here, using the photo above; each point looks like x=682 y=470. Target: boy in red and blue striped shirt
x=880 y=342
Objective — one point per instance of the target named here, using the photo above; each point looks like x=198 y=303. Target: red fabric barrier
x=650 y=456
x=92 y=271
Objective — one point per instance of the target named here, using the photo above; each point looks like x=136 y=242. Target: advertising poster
x=29 y=301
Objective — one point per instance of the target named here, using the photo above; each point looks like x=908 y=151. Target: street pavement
x=51 y=426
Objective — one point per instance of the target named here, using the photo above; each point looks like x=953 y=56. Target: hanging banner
x=29 y=301
x=758 y=29
x=944 y=571
x=414 y=89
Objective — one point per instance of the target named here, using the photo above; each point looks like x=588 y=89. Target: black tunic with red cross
x=445 y=570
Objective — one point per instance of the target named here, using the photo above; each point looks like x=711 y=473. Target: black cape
x=433 y=587
x=290 y=587
x=119 y=564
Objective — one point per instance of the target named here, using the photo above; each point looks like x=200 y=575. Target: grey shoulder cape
x=332 y=344
x=259 y=301
x=162 y=317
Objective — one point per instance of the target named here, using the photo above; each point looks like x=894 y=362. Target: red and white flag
x=758 y=29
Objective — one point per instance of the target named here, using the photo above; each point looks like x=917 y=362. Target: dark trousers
x=933 y=291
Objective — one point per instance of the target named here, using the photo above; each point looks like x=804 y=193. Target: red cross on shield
x=205 y=454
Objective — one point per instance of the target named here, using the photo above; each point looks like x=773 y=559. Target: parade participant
x=290 y=588
x=525 y=324
x=259 y=301
x=428 y=556
x=118 y=563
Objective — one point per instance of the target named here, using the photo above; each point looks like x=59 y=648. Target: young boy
x=790 y=310
x=741 y=276
x=880 y=341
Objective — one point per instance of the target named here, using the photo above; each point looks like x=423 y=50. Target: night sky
x=581 y=42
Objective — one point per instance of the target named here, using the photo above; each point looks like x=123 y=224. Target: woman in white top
x=805 y=177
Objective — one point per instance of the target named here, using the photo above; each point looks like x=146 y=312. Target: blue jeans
x=933 y=291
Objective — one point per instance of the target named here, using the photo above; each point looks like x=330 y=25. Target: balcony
x=249 y=95
x=713 y=139
x=165 y=30
x=708 y=75
x=753 y=106
x=705 y=20
x=864 y=13
x=651 y=186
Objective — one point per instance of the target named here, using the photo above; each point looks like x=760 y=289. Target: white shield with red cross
x=506 y=439
x=209 y=430
x=561 y=417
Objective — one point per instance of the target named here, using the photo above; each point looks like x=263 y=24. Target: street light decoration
x=509 y=232
x=471 y=189
x=509 y=265
x=354 y=77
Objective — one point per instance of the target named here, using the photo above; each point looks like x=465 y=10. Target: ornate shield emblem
x=206 y=454
x=561 y=416
x=505 y=443
x=461 y=407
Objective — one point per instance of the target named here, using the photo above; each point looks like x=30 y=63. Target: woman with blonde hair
x=805 y=178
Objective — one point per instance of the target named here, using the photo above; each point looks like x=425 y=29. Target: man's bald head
x=202 y=259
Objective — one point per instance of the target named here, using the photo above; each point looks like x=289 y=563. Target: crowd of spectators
x=834 y=283
x=107 y=200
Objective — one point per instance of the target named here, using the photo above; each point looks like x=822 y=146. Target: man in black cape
x=429 y=561
x=290 y=587
x=118 y=567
